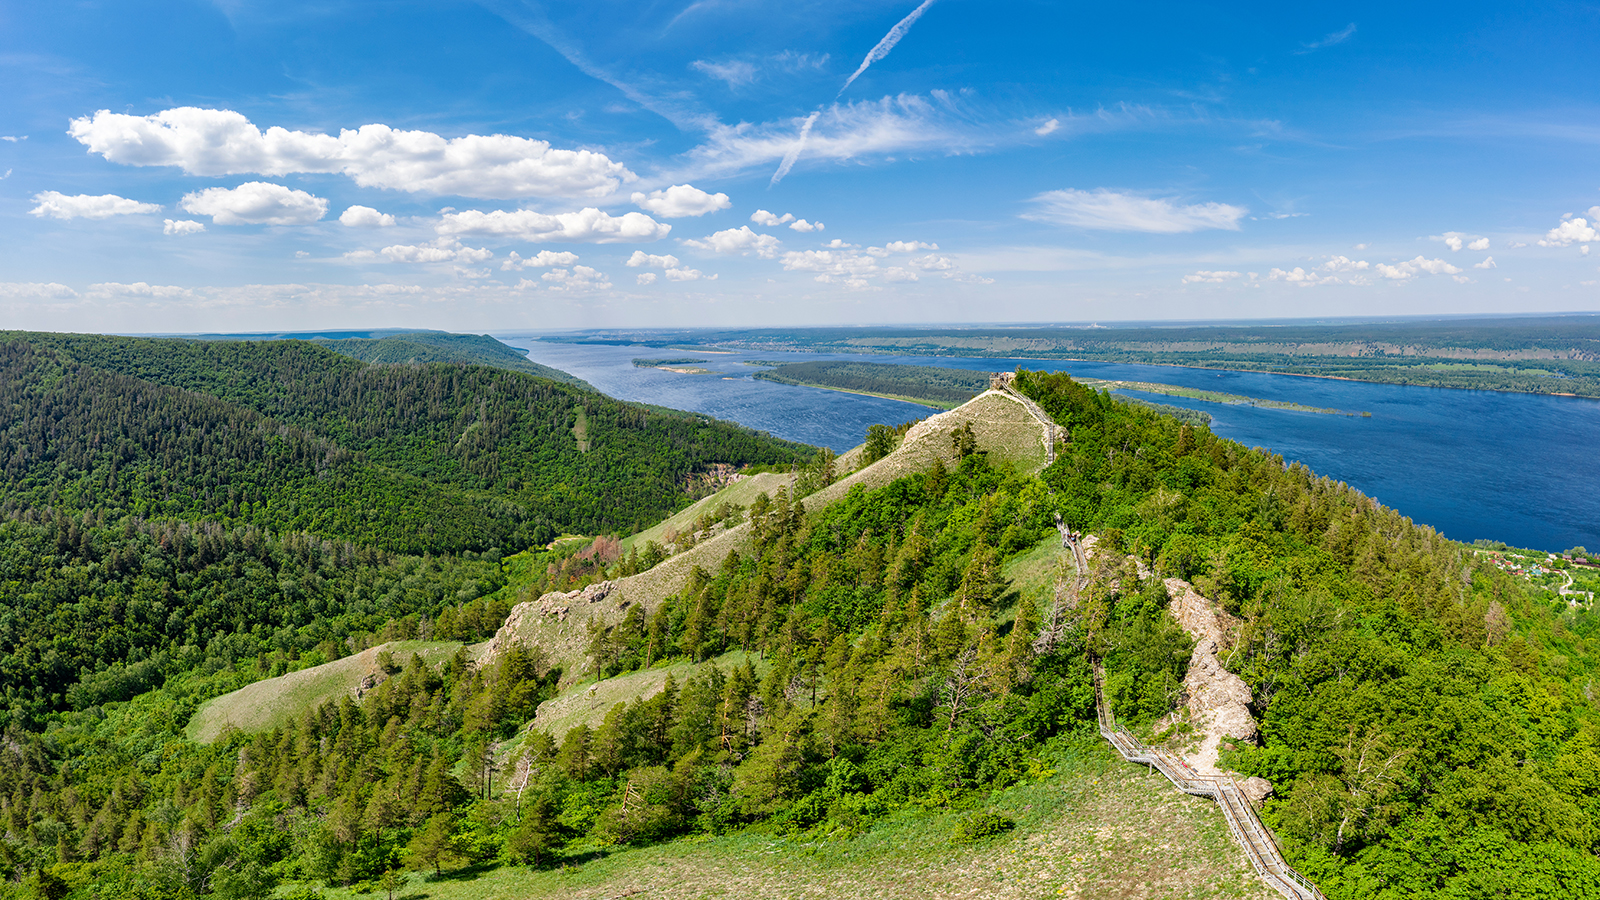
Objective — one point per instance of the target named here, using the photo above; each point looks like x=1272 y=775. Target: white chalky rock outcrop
x=555 y=603
x=1219 y=701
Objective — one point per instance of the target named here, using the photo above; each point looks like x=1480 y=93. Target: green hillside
x=925 y=682
x=437 y=347
x=289 y=435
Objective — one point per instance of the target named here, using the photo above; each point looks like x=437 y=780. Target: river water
x=1519 y=468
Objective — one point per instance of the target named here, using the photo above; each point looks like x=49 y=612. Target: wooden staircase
x=1256 y=839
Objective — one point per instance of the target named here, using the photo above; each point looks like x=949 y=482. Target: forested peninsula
x=891 y=643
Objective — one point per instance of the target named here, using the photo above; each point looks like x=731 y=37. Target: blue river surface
x=1519 y=468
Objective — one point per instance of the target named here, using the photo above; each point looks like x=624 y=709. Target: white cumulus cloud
x=1116 y=211
x=181 y=226
x=1455 y=240
x=687 y=275
x=1345 y=264
x=830 y=263
x=1488 y=263
x=762 y=217
x=641 y=258
x=803 y=226
x=365 y=217
x=933 y=263
x=739 y=240
x=1301 y=277
x=578 y=279
x=909 y=246
x=541 y=260
x=1208 y=277
x=670 y=266
x=256 y=203
x=56 y=205
x=445 y=250
x=223 y=142
x=1049 y=127
x=586 y=226
x=647 y=278
x=679 y=201
x=1573 y=231
x=1414 y=267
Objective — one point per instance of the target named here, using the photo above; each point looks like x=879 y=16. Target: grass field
x=277 y=701
x=1097 y=828
x=589 y=704
x=740 y=493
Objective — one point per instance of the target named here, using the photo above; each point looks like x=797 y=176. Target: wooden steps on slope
x=1256 y=839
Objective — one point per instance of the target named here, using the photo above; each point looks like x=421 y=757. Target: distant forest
x=1541 y=355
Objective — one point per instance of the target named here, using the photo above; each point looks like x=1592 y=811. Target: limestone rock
x=1257 y=789
x=1218 y=700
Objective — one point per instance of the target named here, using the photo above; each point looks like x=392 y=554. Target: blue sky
x=507 y=165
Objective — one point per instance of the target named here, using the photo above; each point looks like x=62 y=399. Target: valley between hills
x=289 y=619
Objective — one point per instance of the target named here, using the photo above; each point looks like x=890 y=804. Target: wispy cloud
x=736 y=72
x=793 y=153
x=1108 y=210
x=669 y=105
x=1328 y=40
x=939 y=122
x=887 y=44
x=741 y=71
x=850 y=131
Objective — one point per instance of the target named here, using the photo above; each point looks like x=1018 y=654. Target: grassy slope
x=1033 y=574
x=276 y=701
x=1097 y=828
x=742 y=493
x=588 y=705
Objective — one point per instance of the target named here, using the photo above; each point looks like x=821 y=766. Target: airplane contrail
x=794 y=151
x=887 y=44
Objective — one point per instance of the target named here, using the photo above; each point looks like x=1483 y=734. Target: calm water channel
x=1517 y=468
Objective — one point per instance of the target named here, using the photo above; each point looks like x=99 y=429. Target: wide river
x=1519 y=468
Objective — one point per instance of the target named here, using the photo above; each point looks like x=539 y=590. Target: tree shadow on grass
x=465 y=873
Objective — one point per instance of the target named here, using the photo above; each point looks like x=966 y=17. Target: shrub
x=982 y=825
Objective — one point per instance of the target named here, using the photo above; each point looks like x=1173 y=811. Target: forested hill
x=288 y=435
x=434 y=346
